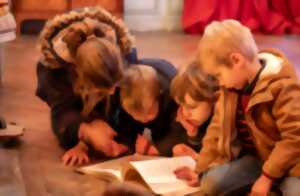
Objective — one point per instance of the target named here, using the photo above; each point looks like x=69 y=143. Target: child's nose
x=186 y=113
x=221 y=83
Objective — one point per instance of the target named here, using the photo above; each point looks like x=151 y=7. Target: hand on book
x=184 y=150
x=191 y=129
x=76 y=156
x=101 y=137
x=143 y=146
x=262 y=186
x=188 y=175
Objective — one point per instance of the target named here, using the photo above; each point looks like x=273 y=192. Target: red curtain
x=267 y=16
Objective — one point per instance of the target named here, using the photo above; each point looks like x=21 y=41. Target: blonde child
x=253 y=139
x=146 y=104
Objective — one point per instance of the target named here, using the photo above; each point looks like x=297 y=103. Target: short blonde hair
x=139 y=82
x=220 y=39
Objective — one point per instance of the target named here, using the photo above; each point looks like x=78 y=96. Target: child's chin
x=194 y=123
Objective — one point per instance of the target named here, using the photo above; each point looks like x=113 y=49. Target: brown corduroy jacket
x=273 y=117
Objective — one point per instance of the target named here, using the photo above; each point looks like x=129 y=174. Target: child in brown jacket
x=253 y=139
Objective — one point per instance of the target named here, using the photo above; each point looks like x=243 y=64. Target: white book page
x=12 y=130
x=112 y=167
x=95 y=170
x=159 y=174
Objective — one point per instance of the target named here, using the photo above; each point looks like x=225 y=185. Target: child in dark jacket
x=146 y=104
x=83 y=57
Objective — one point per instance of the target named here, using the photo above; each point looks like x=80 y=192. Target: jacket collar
x=276 y=68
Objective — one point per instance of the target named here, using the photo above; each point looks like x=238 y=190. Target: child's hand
x=117 y=149
x=101 y=136
x=76 y=156
x=188 y=175
x=191 y=130
x=184 y=150
x=153 y=151
x=262 y=186
x=142 y=144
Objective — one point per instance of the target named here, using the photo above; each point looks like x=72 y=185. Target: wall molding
x=152 y=15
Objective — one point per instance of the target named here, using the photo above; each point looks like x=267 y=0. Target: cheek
x=201 y=113
x=133 y=114
x=228 y=79
x=197 y=114
x=152 y=116
x=185 y=113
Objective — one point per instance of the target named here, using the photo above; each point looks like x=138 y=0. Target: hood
x=94 y=21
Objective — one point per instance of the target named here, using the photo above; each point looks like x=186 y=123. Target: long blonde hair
x=95 y=42
x=98 y=66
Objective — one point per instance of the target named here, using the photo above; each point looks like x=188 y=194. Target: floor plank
x=11 y=180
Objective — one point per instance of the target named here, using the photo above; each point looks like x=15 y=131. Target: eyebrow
x=217 y=74
x=190 y=105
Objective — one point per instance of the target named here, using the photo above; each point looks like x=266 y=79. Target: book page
x=159 y=174
x=111 y=170
x=11 y=130
x=109 y=175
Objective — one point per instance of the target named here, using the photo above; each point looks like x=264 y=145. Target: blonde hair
x=139 y=82
x=192 y=81
x=99 y=64
x=220 y=39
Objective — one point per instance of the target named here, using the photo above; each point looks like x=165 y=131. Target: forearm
x=66 y=124
x=67 y=134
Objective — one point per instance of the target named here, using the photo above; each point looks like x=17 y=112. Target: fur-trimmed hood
x=94 y=21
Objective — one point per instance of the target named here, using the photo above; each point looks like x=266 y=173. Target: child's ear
x=237 y=59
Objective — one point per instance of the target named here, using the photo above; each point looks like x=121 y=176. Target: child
x=82 y=62
x=145 y=101
x=194 y=93
x=79 y=71
x=253 y=139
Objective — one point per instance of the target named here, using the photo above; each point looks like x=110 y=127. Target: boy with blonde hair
x=253 y=140
x=146 y=105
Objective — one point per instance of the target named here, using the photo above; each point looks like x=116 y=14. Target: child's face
x=231 y=76
x=195 y=112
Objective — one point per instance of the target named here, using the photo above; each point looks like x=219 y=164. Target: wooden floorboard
x=11 y=179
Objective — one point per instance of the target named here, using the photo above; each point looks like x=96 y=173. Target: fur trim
x=61 y=22
x=273 y=63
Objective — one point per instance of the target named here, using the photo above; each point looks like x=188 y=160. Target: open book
x=11 y=130
x=155 y=173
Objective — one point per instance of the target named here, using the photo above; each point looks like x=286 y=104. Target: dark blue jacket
x=55 y=88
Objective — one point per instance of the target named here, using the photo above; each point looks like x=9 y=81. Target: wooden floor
x=39 y=154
